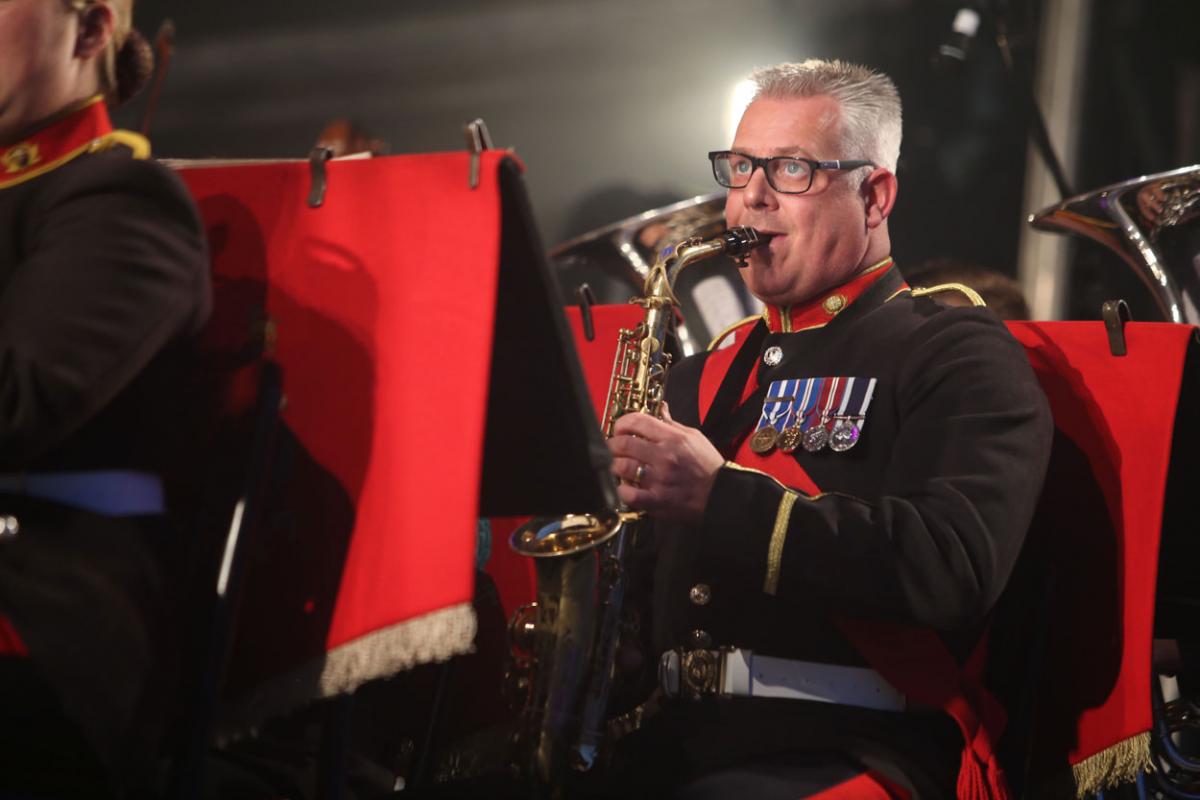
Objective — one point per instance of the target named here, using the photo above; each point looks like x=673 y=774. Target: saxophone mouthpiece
x=741 y=240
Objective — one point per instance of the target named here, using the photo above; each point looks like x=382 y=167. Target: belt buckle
x=693 y=674
x=700 y=673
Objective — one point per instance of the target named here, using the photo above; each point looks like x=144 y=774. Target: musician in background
x=840 y=492
x=103 y=283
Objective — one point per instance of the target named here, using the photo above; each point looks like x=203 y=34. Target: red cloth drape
x=381 y=305
x=1119 y=412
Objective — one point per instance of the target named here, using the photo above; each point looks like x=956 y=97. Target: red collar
x=820 y=310
x=85 y=129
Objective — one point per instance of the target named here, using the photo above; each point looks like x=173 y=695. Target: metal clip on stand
x=1115 y=314
x=316 y=171
x=478 y=140
x=587 y=299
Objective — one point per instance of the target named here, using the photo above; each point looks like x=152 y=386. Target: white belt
x=113 y=493
x=740 y=673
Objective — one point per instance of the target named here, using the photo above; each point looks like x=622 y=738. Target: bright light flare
x=739 y=98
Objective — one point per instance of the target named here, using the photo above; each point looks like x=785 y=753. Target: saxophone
x=565 y=643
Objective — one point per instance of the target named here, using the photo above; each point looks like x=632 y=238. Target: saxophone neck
x=735 y=242
x=660 y=281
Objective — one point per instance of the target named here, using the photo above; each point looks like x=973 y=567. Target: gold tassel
x=1113 y=766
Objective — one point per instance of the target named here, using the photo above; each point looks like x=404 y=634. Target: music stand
x=544 y=453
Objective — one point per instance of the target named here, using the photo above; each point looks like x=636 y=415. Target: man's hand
x=667 y=468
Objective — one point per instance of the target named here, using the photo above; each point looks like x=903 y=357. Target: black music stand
x=544 y=453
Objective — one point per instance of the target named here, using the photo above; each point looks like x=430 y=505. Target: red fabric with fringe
x=1119 y=411
x=381 y=305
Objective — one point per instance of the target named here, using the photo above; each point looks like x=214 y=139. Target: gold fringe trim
x=1113 y=766
x=430 y=638
x=778 y=537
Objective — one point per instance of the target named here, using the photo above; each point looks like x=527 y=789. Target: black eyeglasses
x=785 y=174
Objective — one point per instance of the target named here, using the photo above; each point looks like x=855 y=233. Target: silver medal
x=844 y=436
x=815 y=438
x=773 y=356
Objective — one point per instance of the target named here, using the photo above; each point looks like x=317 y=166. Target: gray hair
x=869 y=101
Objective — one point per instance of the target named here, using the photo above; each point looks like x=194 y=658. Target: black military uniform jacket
x=104 y=281
x=920 y=522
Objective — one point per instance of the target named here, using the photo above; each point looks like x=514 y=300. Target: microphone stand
x=1037 y=122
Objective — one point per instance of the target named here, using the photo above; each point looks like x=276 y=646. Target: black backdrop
x=613 y=104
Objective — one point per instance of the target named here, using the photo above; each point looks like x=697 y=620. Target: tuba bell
x=1150 y=223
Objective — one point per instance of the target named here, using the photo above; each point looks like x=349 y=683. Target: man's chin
x=778 y=298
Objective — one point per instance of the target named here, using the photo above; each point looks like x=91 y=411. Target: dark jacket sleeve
x=116 y=269
x=937 y=545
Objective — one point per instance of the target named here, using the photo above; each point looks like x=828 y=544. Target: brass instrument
x=566 y=642
x=1150 y=222
x=617 y=258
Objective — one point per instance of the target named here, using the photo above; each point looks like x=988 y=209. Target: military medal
x=848 y=429
x=790 y=439
x=763 y=440
x=773 y=356
x=777 y=409
x=793 y=435
x=839 y=435
x=817 y=436
x=843 y=436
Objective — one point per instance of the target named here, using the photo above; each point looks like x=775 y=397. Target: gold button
x=833 y=304
x=20 y=157
x=701 y=639
x=700 y=594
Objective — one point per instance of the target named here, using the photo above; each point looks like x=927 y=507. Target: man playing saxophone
x=841 y=487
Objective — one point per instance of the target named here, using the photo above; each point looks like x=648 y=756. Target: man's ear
x=95 y=30
x=879 y=195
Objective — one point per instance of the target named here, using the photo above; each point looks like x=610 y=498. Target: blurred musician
x=344 y=138
x=103 y=280
x=842 y=489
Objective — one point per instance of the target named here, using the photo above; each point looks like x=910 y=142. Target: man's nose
x=758 y=193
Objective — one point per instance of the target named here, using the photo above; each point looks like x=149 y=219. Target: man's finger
x=635 y=497
x=626 y=468
x=637 y=448
x=642 y=425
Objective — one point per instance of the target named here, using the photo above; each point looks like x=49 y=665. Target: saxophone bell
x=550 y=537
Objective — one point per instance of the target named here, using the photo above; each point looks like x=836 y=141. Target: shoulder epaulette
x=962 y=288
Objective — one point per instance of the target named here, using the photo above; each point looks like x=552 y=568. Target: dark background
x=612 y=104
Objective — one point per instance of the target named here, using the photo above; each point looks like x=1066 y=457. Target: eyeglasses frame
x=762 y=163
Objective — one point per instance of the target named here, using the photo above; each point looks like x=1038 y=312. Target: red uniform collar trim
x=821 y=309
x=55 y=143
